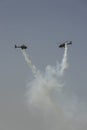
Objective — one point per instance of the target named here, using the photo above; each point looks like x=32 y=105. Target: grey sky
x=40 y=24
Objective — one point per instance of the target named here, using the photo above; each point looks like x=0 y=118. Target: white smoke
x=43 y=93
x=28 y=60
x=64 y=64
x=41 y=88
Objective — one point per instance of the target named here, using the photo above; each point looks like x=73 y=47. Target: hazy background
x=40 y=25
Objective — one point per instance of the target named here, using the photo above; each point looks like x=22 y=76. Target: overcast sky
x=39 y=24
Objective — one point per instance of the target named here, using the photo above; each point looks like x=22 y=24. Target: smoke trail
x=64 y=61
x=44 y=84
x=42 y=97
x=28 y=60
x=42 y=88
